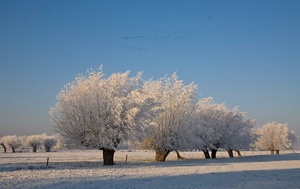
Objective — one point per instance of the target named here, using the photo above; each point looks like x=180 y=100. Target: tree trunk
x=160 y=155
x=206 y=154
x=4 y=147
x=277 y=151
x=34 y=149
x=214 y=153
x=239 y=153
x=230 y=153
x=272 y=151
x=108 y=156
x=47 y=148
x=13 y=150
x=178 y=155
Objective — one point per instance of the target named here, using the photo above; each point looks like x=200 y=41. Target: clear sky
x=243 y=53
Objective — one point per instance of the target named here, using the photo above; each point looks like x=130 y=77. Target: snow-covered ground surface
x=83 y=169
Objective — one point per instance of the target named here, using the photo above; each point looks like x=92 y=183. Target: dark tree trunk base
x=214 y=154
x=272 y=152
x=34 y=149
x=277 y=151
x=108 y=156
x=206 y=154
x=178 y=155
x=4 y=147
x=160 y=155
x=47 y=149
x=230 y=153
x=238 y=153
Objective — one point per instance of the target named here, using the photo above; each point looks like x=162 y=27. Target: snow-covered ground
x=83 y=169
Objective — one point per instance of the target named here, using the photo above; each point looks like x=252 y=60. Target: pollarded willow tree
x=2 y=144
x=99 y=112
x=12 y=141
x=42 y=140
x=49 y=142
x=34 y=141
x=225 y=128
x=273 y=136
x=210 y=114
x=172 y=127
x=238 y=133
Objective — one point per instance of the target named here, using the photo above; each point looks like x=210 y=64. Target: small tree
x=48 y=142
x=34 y=141
x=98 y=112
x=12 y=141
x=4 y=147
x=2 y=144
x=273 y=136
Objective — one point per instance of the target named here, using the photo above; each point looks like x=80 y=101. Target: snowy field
x=83 y=169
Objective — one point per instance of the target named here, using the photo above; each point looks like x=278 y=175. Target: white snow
x=83 y=169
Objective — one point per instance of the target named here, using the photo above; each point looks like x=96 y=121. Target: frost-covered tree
x=215 y=120
x=239 y=133
x=42 y=140
x=4 y=147
x=99 y=112
x=273 y=136
x=48 y=142
x=34 y=141
x=172 y=126
x=223 y=128
x=2 y=144
x=12 y=141
x=209 y=113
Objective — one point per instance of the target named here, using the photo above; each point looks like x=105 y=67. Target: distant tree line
x=35 y=142
x=164 y=115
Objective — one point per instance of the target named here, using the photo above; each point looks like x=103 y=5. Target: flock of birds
x=154 y=40
x=130 y=47
x=169 y=40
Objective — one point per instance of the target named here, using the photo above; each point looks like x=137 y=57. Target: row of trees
x=272 y=136
x=102 y=112
x=33 y=141
x=162 y=115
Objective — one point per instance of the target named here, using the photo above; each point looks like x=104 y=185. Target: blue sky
x=243 y=53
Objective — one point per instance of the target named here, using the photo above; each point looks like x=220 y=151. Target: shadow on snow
x=174 y=163
x=284 y=178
